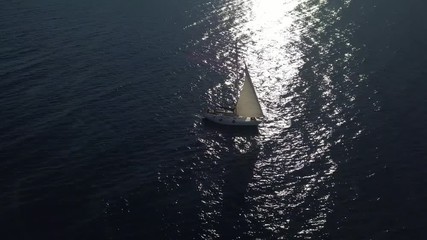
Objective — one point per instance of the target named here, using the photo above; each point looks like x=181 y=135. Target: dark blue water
x=101 y=135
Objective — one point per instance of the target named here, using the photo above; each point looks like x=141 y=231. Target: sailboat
x=246 y=112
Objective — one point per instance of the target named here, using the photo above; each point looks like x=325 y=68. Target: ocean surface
x=102 y=136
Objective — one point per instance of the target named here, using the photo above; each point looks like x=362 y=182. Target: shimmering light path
x=276 y=183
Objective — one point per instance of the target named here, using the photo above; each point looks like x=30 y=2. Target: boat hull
x=230 y=119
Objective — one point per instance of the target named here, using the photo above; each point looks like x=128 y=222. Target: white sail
x=248 y=104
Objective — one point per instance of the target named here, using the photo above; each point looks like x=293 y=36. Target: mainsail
x=248 y=104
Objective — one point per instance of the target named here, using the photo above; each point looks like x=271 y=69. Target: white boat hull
x=230 y=119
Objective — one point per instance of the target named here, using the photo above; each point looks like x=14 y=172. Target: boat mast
x=236 y=83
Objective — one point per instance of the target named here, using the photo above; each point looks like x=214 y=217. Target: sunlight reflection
x=288 y=167
x=273 y=61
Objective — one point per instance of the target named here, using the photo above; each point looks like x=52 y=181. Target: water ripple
x=287 y=177
x=107 y=106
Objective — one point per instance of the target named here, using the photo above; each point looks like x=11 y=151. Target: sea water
x=102 y=136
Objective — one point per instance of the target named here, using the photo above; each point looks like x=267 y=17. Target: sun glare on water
x=269 y=32
x=288 y=164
